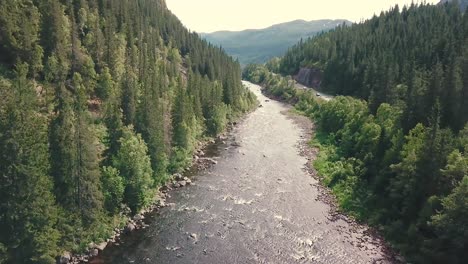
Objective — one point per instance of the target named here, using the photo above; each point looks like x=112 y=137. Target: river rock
x=138 y=217
x=182 y=183
x=93 y=252
x=178 y=177
x=175 y=185
x=209 y=160
x=165 y=188
x=189 y=182
x=65 y=258
x=101 y=246
x=193 y=236
x=130 y=227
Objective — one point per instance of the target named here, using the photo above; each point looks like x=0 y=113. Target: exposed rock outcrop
x=311 y=77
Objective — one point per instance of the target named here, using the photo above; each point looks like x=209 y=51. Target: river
x=256 y=205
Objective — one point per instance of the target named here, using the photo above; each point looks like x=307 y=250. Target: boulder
x=188 y=181
x=101 y=246
x=193 y=236
x=130 y=227
x=93 y=252
x=138 y=217
x=182 y=183
x=175 y=185
x=178 y=177
x=65 y=258
x=165 y=188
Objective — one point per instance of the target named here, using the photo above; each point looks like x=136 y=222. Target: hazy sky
x=214 y=15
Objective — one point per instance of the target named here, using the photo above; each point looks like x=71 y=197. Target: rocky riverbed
x=256 y=202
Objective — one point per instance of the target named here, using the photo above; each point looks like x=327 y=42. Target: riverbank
x=310 y=152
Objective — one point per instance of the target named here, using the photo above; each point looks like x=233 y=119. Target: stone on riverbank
x=93 y=252
x=101 y=246
x=138 y=217
x=130 y=227
x=65 y=258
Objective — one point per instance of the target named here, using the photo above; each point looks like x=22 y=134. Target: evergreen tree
x=28 y=214
x=134 y=164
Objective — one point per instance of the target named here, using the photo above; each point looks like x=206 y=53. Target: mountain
x=260 y=45
x=463 y=3
x=101 y=101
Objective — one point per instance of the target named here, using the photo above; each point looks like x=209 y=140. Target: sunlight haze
x=213 y=15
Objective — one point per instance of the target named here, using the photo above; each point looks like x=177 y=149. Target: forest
x=101 y=101
x=394 y=145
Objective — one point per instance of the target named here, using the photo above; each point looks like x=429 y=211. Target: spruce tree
x=28 y=214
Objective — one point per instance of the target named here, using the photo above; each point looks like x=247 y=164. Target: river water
x=256 y=205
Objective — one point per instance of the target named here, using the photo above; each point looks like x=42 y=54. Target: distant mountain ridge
x=463 y=3
x=260 y=45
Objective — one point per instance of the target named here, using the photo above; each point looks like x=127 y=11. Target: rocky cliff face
x=311 y=77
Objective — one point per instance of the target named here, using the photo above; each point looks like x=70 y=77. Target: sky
x=205 y=16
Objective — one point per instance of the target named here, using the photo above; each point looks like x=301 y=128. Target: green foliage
x=451 y=225
x=113 y=186
x=105 y=85
x=134 y=164
x=27 y=206
x=218 y=119
x=3 y=253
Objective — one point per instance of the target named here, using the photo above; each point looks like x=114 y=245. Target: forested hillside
x=396 y=153
x=100 y=101
x=413 y=58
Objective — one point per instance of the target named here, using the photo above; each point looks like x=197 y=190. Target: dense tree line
x=411 y=185
x=413 y=57
x=100 y=101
